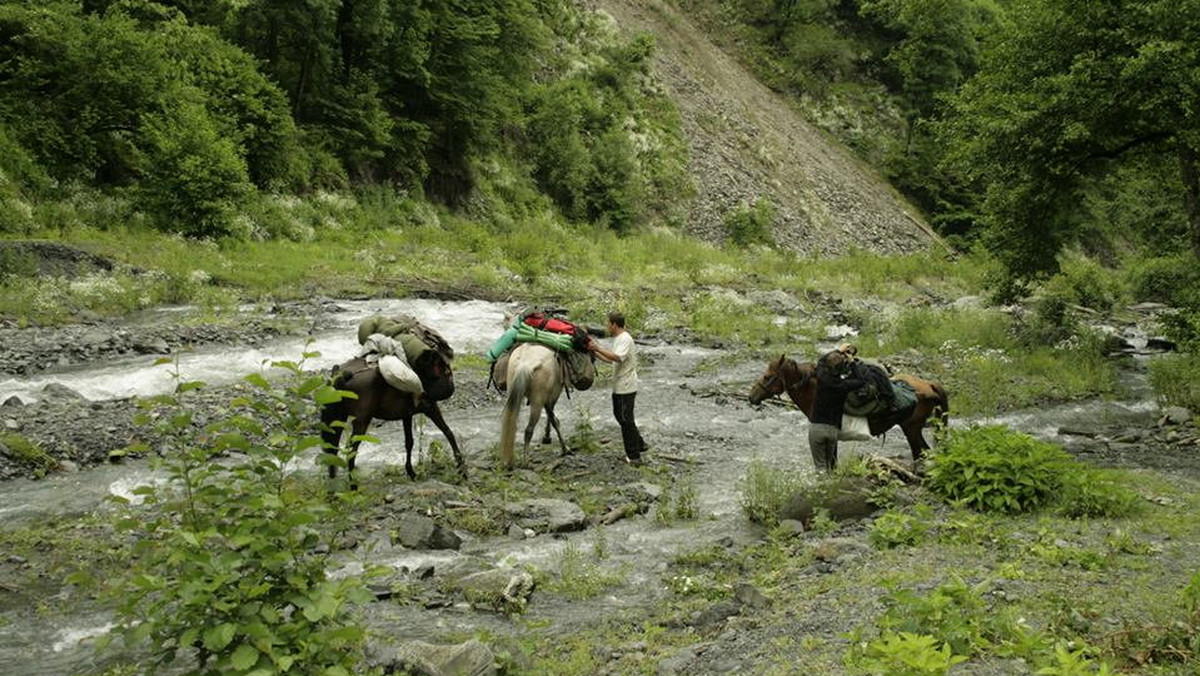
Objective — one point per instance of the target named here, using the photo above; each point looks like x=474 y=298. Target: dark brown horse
x=800 y=383
x=377 y=399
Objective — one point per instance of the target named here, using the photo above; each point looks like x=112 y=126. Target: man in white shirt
x=624 y=384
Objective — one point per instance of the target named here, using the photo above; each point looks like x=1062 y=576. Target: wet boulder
x=427 y=659
x=840 y=550
x=415 y=531
x=1176 y=415
x=499 y=589
x=547 y=515
x=849 y=500
x=60 y=392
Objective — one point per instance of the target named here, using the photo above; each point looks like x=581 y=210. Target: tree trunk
x=1191 y=193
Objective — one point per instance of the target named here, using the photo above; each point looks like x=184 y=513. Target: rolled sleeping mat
x=556 y=341
x=398 y=374
x=502 y=344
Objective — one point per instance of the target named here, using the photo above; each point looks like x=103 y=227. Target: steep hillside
x=746 y=142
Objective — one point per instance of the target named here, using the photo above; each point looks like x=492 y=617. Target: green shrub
x=196 y=181
x=896 y=529
x=1176 y=380
x=28 y=453
x=993 y=469
x=1094 y=493
x=766 y=491
x=231 y=558
x=1091 y=284
x=907 y=654
x=748 y=225
x=953 y=613
x=1162 y=279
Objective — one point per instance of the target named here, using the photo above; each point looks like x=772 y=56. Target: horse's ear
x=782 y=356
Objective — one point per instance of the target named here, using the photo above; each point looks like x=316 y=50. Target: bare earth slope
x=746 y=142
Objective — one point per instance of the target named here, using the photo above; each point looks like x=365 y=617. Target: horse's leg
x=549 y=420
x=552 y=419
x=535 y=413
x=358 y=429
x=916 y=439
x=408 y=446
x=434 y=413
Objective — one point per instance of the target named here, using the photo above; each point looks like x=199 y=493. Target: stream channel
x=716 y=435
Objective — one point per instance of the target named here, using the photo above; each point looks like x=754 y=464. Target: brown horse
x=377 y=399
x=800 y=383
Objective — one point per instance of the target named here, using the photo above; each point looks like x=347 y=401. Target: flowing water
x=719 y=435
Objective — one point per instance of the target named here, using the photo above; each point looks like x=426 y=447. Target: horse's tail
x=512 y=408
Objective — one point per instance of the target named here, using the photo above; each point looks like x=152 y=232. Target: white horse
x=535 y=376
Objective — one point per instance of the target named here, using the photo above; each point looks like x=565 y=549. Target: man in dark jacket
x=826 y=422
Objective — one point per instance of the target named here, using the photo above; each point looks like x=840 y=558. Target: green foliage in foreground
x=994 y=469
x=229 y=566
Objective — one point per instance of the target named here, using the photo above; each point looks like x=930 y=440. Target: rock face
x=426 y=659
x=746 y=142
x=547 y=515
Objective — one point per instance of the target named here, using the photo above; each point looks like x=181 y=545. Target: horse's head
x=437 y=378
x=770 y=384
x=581 y=367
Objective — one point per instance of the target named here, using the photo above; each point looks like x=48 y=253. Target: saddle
x=572 y=376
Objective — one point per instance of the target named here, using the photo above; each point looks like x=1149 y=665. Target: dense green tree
x=1068 y=89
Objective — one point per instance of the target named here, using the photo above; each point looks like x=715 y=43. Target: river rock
x=421 y=532
x=548 y=515
x=839 y=550
x=849 y=501
x=426 y=659
x=1177 y=415
x=749 y=596
x=716 y=614
x=151 y=345
x=501 y=589
x=1160 y=344
x=1077 y=432
x=60 y=391
x=13 y=402
x=677 y=663
x=642 y=492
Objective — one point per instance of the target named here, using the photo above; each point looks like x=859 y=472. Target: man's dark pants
x=632 y=438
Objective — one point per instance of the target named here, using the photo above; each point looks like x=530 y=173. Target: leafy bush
x=748 y=225
x=896 y=529
x=230 y=563
x=766 y=491
x=908 y=654
x=993 y=469
x=1176 y=380
x=1093 y=493
x=1163 y=278
x=27 y=453
x=953 y=613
